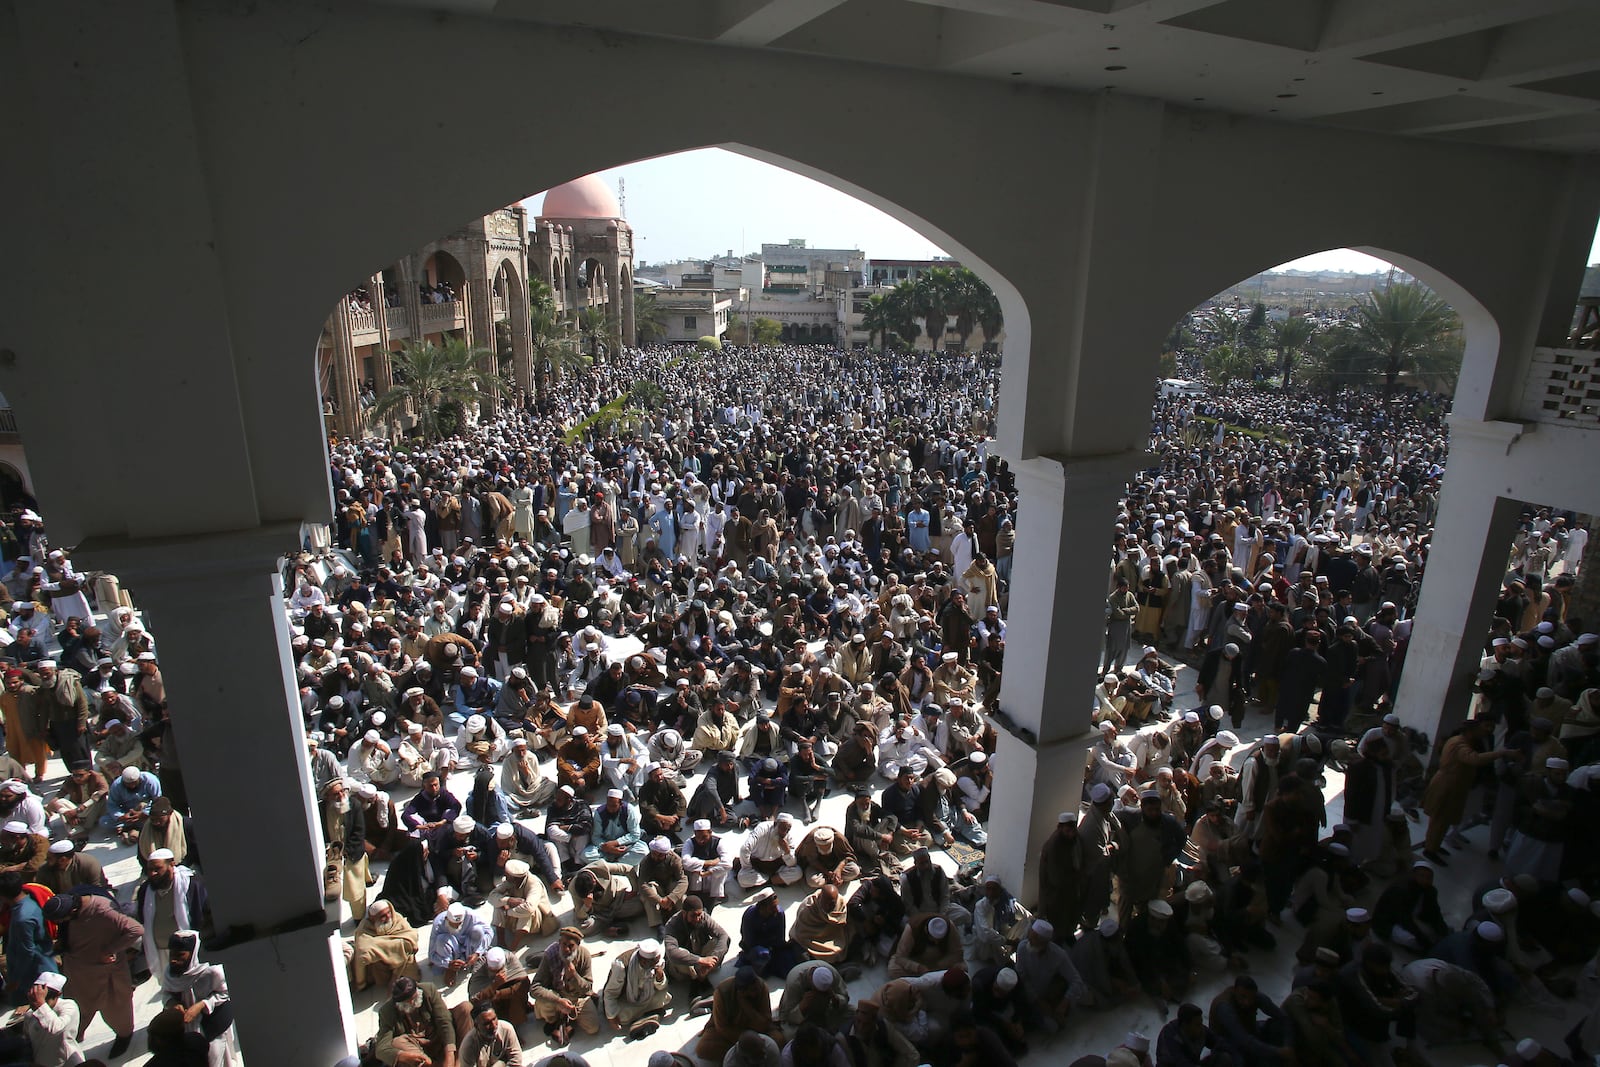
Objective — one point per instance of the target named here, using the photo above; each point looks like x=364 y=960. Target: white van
x=1181 y=387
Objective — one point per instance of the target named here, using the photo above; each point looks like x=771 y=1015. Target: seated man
x=768 y=854
x=603 y=896
x=22 y=851
x=128 y=802
x=706 y=861
x=578 y=762
x=1252 y=1029
x=695 y=945
x=491 y=1041
x=814 y=992
x=521 y=906
x=1048 y=978
x=616 y=832
x=414 y=1026
x=464 y=853
x=384 y=948
x=501 y=984
x=660 y=881
x=81 y=801
x=635 y=995
x=568 y=826
x=563 y=990
x=822 y=852
x=458 y=941
x=763 y=942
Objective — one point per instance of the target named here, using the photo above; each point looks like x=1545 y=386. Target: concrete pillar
x=345 y=387
x=615 y=307
x=1466 y=565
x=237 y=728
x=383 y=372
x=1054 y=636
x=517 y=315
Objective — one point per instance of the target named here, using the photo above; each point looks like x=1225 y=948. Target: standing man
x=61 y=703
x=30 y=951
x=96 y=940
x=1121 y=607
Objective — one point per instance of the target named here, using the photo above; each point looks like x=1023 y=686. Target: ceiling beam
x=1550 y=47
x=757 y=23
x=1361 y=27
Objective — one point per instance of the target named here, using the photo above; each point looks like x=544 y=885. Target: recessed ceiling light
x=1287 y=96
x=1113 y=48
x=1377 y=92
x=1016 y=74
x=1199 y=99
x=1115 y=66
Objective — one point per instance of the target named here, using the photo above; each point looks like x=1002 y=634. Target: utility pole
x=622 y=196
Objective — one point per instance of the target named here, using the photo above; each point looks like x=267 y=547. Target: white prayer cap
x=766 y=894
x=702 y=824
x=366 y=790
x=1336 y=849
x=937 y=926
x=378 y=718
x=319 y=643
x=614 y=730
x=474 y=723
x=660 y=844
x=1499 y=901
x=1108 y=727
x=1043 y=928
x=1005 y=981
x=519 y=673
x=1588 y=639
x=949 y=657
x=1491 y=932
x=1546 y=641
x=336 y=703
x=504 y=829
x=413 y=728
x=1556 y=763
x=1067 y=817
x=131 y=775
x=62 y=847
x=456 y=913
x=1578 y=897
x=1500 y=642
x=414 y=691
x=516 y=869
x=146 y=657
x=613 y=794
x=1528 y=1048
x=650 y=949
x=469 y=672
x=580 y=731
x=1100 y=793
x=52 y=980
x=1215 y=711
x=1108 y=927
x=1228 y=737
x=1137 y=1041
x=519 y=742
x=113 y=722
x=1159 y=908
x=1191 y=717
x=495 y=958
x=15 y=826
x=371 y=737
x=163 y=854
x=47 y=664
x=822 y=978
x=1545 y=627
x=463 y=824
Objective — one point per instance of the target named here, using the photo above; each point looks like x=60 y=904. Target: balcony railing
x=499 y=307
x=396 y=318
x=361 y=321
x=447 y=316
x=1563 y=388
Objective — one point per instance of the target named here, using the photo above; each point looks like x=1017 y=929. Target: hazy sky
x=706 y=202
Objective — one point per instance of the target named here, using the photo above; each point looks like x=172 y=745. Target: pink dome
x=582 y=198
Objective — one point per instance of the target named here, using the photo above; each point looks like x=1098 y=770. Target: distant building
x=471 y=284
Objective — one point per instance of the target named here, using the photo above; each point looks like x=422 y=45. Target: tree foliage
x=1289 y=338
x=440 y=382
x=1407 y=329
x=649 y=321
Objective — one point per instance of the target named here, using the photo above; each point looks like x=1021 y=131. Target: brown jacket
x=97 y=930
x=29 y=855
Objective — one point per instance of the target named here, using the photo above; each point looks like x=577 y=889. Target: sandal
x=643 y=1028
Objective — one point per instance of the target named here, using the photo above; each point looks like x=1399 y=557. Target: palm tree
x=1289 y=338
x=439 y=382
x=1405 y=328
x=878 y=320
x=986 y=309
x=935 y=299
x=901 y=306
x=646 y=394
x=596 y=324
x=649 y=321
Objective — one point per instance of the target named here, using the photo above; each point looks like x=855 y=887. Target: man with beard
x=1151 y=840
x=21 y=851
x=696 y=945
x=96 y=940
x=458 y=942
x=414 y=1027
x=171 y=898
x=345 y=831
x=464 y=852
x=1061 y=863
x=81 y=801
x=29 y=950
x=563 y=992
x=66 y=867
x=60 y=702
x=384 y=948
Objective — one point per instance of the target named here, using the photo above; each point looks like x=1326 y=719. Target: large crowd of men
x=581 y=697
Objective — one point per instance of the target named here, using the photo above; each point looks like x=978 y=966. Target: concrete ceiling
x=1522 y=73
